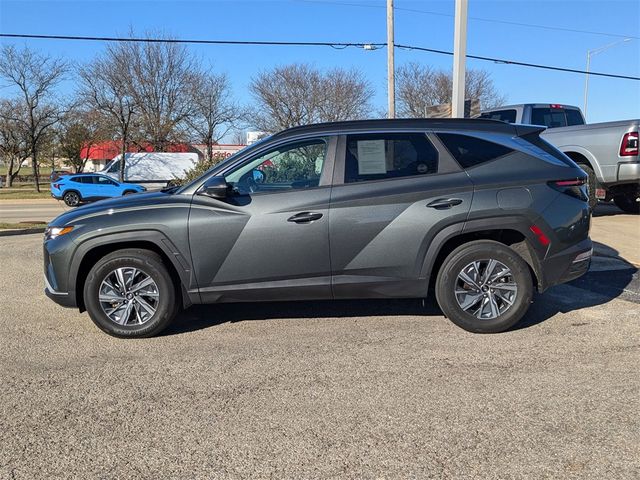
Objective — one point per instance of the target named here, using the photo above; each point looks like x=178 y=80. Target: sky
x=421 y=23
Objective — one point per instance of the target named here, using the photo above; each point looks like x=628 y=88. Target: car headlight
x=54 y=232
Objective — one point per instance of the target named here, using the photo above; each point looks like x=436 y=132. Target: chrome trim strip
x=50 y=288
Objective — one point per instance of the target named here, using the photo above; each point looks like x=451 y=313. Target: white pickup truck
x=607 y=152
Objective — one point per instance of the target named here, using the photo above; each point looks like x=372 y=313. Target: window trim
x=325 y=175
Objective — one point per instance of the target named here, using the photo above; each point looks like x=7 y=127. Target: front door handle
x=444 y=203
x=304 y=217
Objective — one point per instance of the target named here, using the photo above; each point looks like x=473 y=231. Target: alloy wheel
x=486 y=289
x=129 y=296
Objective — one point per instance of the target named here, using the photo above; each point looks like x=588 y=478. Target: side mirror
x=215 y=187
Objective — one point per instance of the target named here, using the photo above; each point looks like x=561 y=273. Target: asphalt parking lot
x=376 y=389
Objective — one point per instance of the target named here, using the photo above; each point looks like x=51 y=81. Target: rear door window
x=388 y=155
x=471 y=151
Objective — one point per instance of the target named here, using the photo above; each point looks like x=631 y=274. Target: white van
x=151 y=167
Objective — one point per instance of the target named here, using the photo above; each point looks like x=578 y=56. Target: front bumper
x=567 y=265
x=56 y=273
x=64 y=299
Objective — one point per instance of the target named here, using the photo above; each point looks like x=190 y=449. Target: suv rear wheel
x=72 y=199
x=484 y=287
x=129 y=293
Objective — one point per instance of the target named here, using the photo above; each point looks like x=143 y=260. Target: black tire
x=628 y=203
x=72 y=199
x=447 y=284
x=127 y=192
x=591 y=184
x=148 y=262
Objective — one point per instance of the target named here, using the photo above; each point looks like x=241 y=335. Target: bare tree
x=420 y=87
x=105 y=88
x=239 y=137
x=14 y=145
x=212 y=112
x=158 y=76
x=35 y=76
x=299 y=94
x=80 y=130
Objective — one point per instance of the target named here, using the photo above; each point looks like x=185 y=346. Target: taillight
x=574 y=187
x=56 y=185
x=629 y=145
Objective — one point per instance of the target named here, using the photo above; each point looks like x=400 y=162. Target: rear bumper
x=567 y=265
x=629 y=171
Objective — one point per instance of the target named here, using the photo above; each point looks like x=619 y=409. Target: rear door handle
x=304 y=217
x=444 y=203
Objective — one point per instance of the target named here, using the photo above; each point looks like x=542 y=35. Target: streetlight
x=591 y=53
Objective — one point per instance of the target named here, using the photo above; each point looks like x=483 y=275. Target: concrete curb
x=22 y=231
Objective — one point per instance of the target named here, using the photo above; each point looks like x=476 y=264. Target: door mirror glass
x=215 y=187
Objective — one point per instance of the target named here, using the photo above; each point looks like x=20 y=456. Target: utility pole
x=391 y=74
x=459 y=59
x=591 y=53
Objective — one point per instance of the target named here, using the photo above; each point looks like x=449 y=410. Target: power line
x=479 y=19
x=337 y=45
x=522 y=64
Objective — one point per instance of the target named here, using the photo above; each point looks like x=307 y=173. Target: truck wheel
x=484 y=287
x=628 y=203
x=591 y=184
x=130 y=294
x=71 y=199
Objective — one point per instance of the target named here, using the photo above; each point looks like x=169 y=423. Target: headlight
x=53 y=232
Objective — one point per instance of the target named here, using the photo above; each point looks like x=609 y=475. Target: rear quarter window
x=574 y=117
x=471 y=151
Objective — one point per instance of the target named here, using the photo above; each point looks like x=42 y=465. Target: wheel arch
x=508 y=234
x=72 y=190
x=581 y=155
x=89 y=252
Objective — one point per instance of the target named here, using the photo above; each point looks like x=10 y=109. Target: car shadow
x=606 y=209
x=608 y=278
x=204 y=316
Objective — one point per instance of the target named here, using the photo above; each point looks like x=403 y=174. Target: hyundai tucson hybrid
x=479 y=212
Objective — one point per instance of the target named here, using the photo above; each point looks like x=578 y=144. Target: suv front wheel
x=129 y=293
x=484 y=287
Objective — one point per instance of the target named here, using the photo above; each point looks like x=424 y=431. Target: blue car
x=87 y=187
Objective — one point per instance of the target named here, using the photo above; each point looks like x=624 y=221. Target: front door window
x=292 y=166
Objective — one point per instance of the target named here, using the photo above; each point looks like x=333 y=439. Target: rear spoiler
x=522 y=129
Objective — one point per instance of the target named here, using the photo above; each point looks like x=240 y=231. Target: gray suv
x=481 y=211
